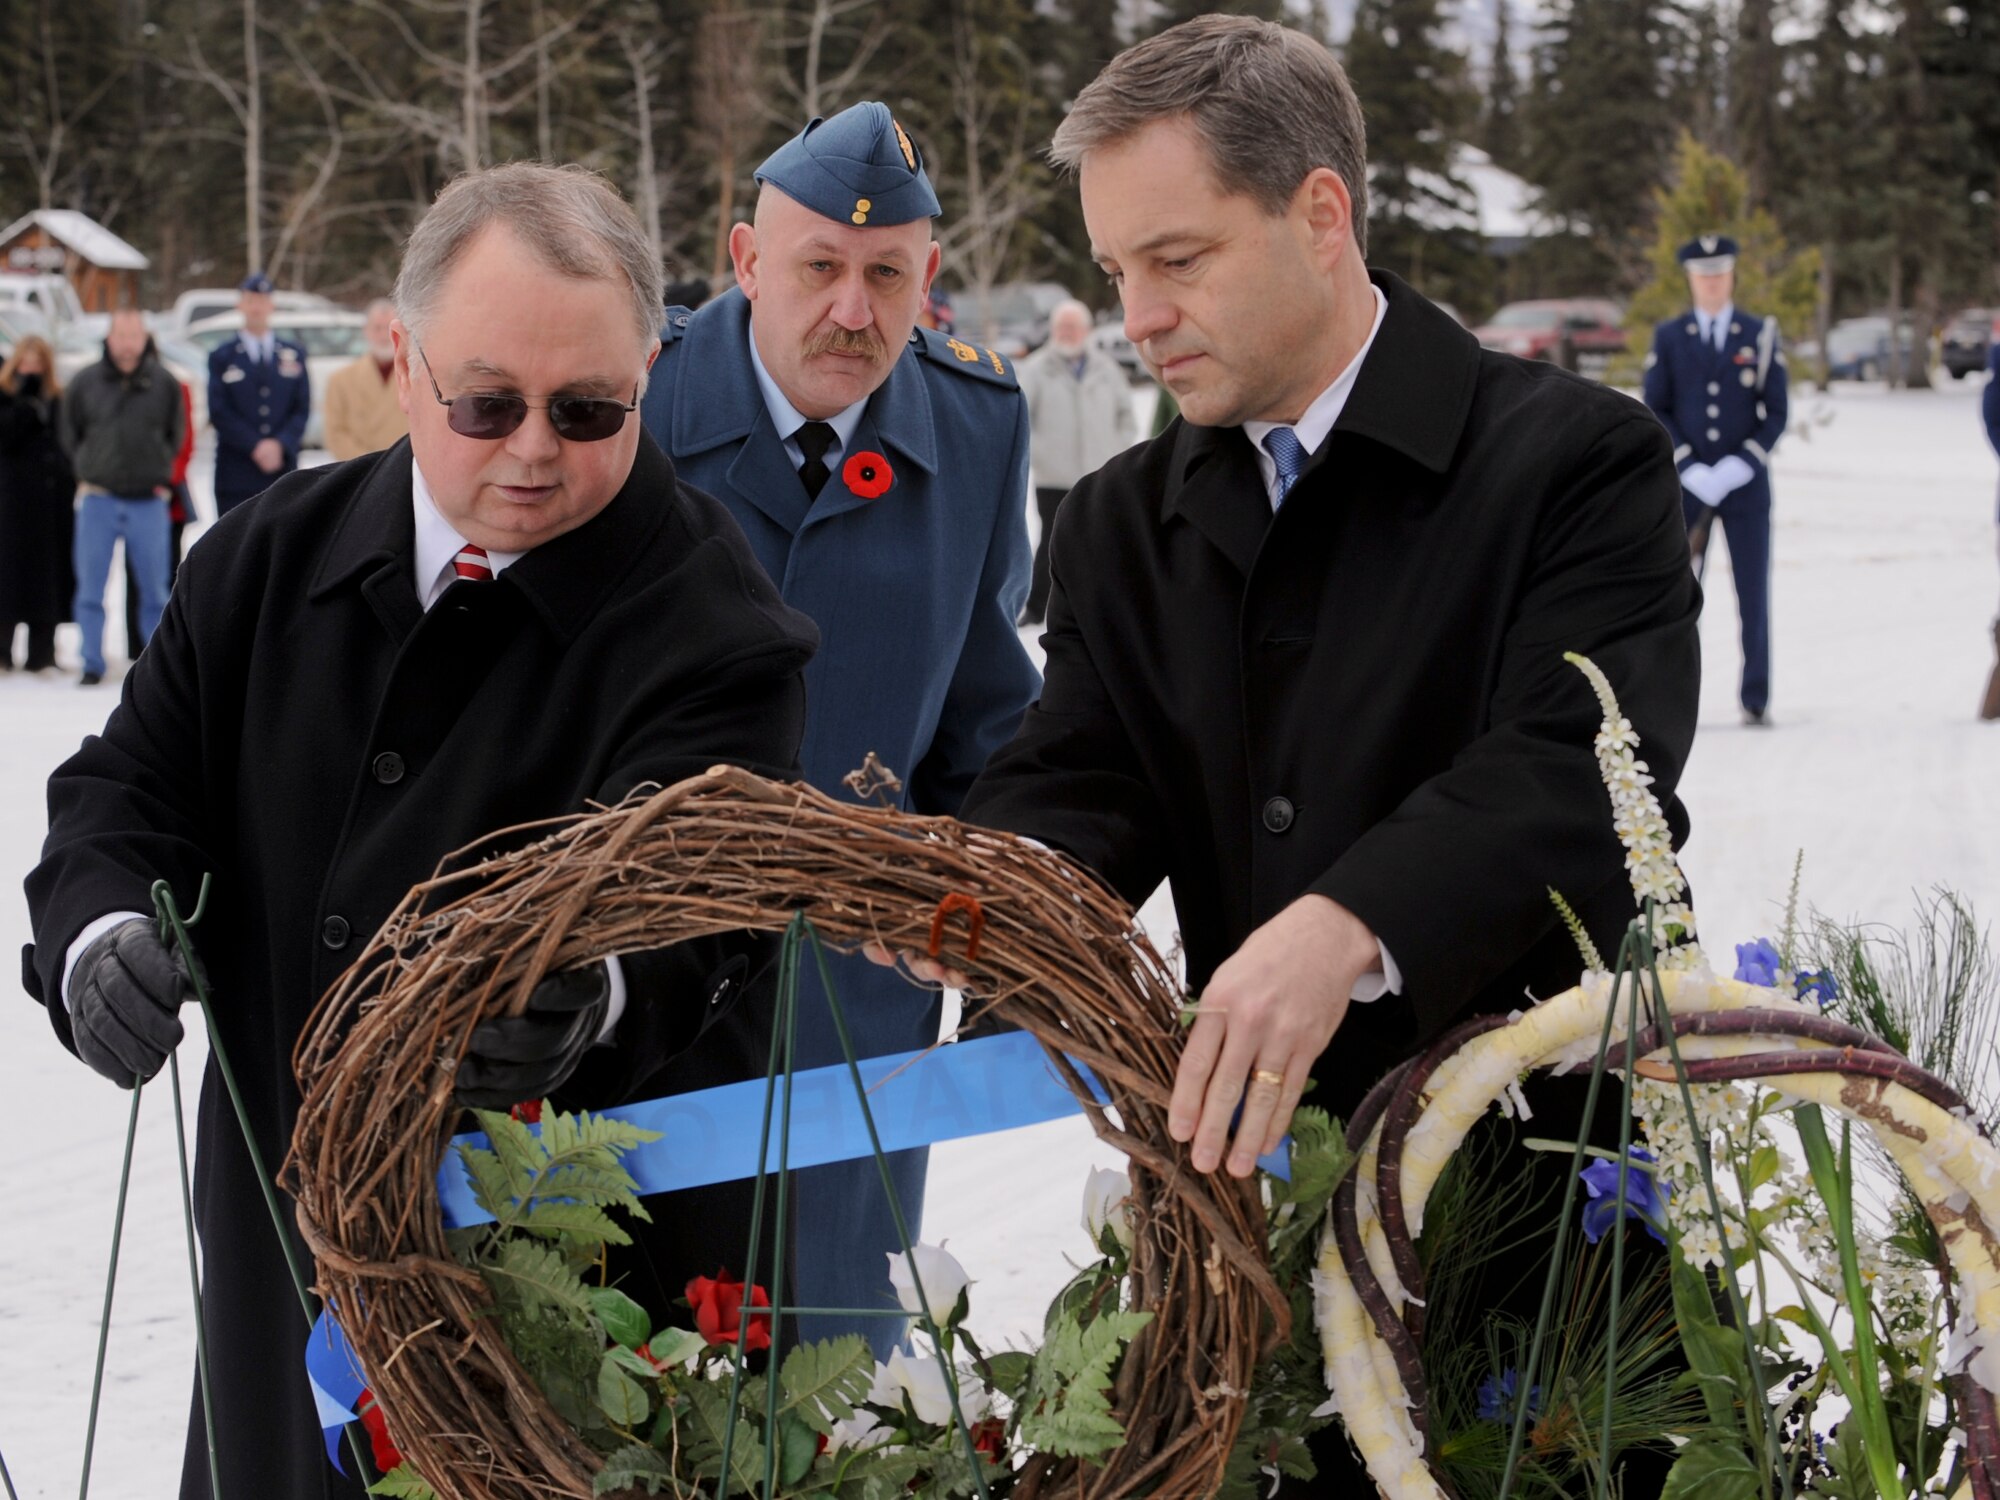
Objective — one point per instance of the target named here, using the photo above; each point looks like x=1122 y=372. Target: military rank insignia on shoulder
x=967 y=358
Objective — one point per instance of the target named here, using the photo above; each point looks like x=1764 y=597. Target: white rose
x=918 y=1377
x=861 y=1432
x=1107 y=1199
x=943 y=1277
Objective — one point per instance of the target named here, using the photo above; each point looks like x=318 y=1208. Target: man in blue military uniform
x=1989 y=411
x=1716 y=379
x=258 y=399
x=880 y=472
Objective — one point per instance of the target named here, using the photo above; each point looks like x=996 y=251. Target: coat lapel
x=1218 y=490
x=897 y=424
x=376 y=541
x=717 y=402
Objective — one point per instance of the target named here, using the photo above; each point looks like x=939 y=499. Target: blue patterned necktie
x=1289 y=456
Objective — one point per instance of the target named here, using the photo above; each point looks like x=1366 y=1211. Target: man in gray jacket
x=1079 y=415
x=122 y=422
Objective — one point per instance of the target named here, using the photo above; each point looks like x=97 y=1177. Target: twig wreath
x=1053 y=952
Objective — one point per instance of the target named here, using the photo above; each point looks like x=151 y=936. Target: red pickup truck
x=1578 y=333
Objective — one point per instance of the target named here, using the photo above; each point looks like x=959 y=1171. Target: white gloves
x=1712 y=484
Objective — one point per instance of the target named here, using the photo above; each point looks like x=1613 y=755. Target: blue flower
x=1644 y=1200
x=1820 y=984
x=1758 y=962
x=1497 y=1397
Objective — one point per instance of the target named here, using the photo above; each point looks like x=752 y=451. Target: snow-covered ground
x=1884 y=587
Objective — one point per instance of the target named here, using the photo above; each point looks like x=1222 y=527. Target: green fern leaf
x=403 y=1483
x=634 y=1467
x=1068 y=1406
x=707 y=1419
x=822 y=1383
x=526 y=1274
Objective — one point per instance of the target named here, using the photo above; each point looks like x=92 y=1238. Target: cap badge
x=903 y=140
x=1708 y=244
x=861 y=207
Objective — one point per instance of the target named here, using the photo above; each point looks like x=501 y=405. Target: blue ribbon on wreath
x=947 y=1093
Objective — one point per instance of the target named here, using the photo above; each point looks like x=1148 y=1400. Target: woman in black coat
x=37 y=491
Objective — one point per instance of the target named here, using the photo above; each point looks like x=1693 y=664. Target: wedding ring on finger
x=1270 y=1076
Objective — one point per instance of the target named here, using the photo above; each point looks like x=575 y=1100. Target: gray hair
x=1270 y=105
x=574 y=220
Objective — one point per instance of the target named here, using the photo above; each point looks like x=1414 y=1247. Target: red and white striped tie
x=471 y=563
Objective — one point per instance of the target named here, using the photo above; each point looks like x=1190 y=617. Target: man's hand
x=510 y=1059
x=268 y=455
x=124 y=997
x=928 y=970
x=1266 y=1016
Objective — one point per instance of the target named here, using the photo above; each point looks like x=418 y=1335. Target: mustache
x=864 y=342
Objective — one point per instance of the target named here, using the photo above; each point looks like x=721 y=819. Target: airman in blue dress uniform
x=258 y=400
x=880 y=472
x=1716 y=379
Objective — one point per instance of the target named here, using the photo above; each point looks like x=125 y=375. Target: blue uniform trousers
x=1745 y=516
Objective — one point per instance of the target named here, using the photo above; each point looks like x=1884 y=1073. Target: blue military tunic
x=1719 y=402
x=250 y=399
x=916 y=591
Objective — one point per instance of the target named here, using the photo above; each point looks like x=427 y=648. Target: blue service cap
x=1707 y=254
x=857 y=167
x=256 y=281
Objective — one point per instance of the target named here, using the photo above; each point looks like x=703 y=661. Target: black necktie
x=814 y=439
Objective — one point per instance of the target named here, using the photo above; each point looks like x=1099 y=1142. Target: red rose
x=868 y=475
x=718 y=1308
x=990 y=1438
x=386 y=1456
x=528 y=1111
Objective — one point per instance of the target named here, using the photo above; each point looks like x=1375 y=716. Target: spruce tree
x=1499 y=123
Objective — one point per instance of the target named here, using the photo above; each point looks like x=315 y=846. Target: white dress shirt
x=1715 y=327
x=1312 y=428
x=788 y=419
x=261 y=347
x=436 y=545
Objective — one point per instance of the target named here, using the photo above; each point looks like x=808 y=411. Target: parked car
x=331 y=337
x=45 y=294
x=1967 y=338
x=206 y=302
x=1579 y=333
x=1012 y=319
x=1858 y=348
x=1109 y=338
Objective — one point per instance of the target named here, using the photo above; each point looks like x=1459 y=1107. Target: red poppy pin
x=868 y=475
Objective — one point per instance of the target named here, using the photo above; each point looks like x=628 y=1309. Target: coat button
x=334 y=932
x=388 y=768
x=1714 y=436
x=1278 y=814
x=1714 y=389
x=722 y=992
x=1715 y=411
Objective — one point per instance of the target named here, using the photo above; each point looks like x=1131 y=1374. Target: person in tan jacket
x=361 y=411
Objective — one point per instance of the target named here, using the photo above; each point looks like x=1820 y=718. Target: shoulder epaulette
x=675 y=323
x=966 y=358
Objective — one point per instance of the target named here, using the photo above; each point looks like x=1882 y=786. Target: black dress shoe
x=90 y=679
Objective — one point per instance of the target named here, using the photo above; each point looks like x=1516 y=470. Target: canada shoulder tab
x=965 y=357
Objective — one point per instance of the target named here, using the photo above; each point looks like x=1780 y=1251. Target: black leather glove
x=124 y=997
x=511 y=1059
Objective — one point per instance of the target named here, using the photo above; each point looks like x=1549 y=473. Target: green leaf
x=1763 y=1167
x=822 y=1383
x=635 y=1466
x=800 y=1446
x=1009 y=1370
x=526 y=1271
x=1067 y=1408
x=706 y=1420
x=619 y=1396
x=675 y=1346
x=624 y=1320
x=1709 y=1470
x=1713 y=1361
x=404 y=1483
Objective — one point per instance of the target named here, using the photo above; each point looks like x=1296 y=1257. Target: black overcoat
x=37 y=516
x=303 y=730
x=1365 y=695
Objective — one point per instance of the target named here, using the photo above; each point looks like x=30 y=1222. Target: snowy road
x=1884 y=587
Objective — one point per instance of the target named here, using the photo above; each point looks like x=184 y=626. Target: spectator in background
x=122 y=423
x=258 y=401
x=37 y=489
x=1079 y=415
x=180 y=511
x=937 y=312
x=362 y=415
x=1989 y=407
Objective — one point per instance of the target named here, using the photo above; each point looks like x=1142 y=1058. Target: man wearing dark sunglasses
x=517 y=611
x=880 y=472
